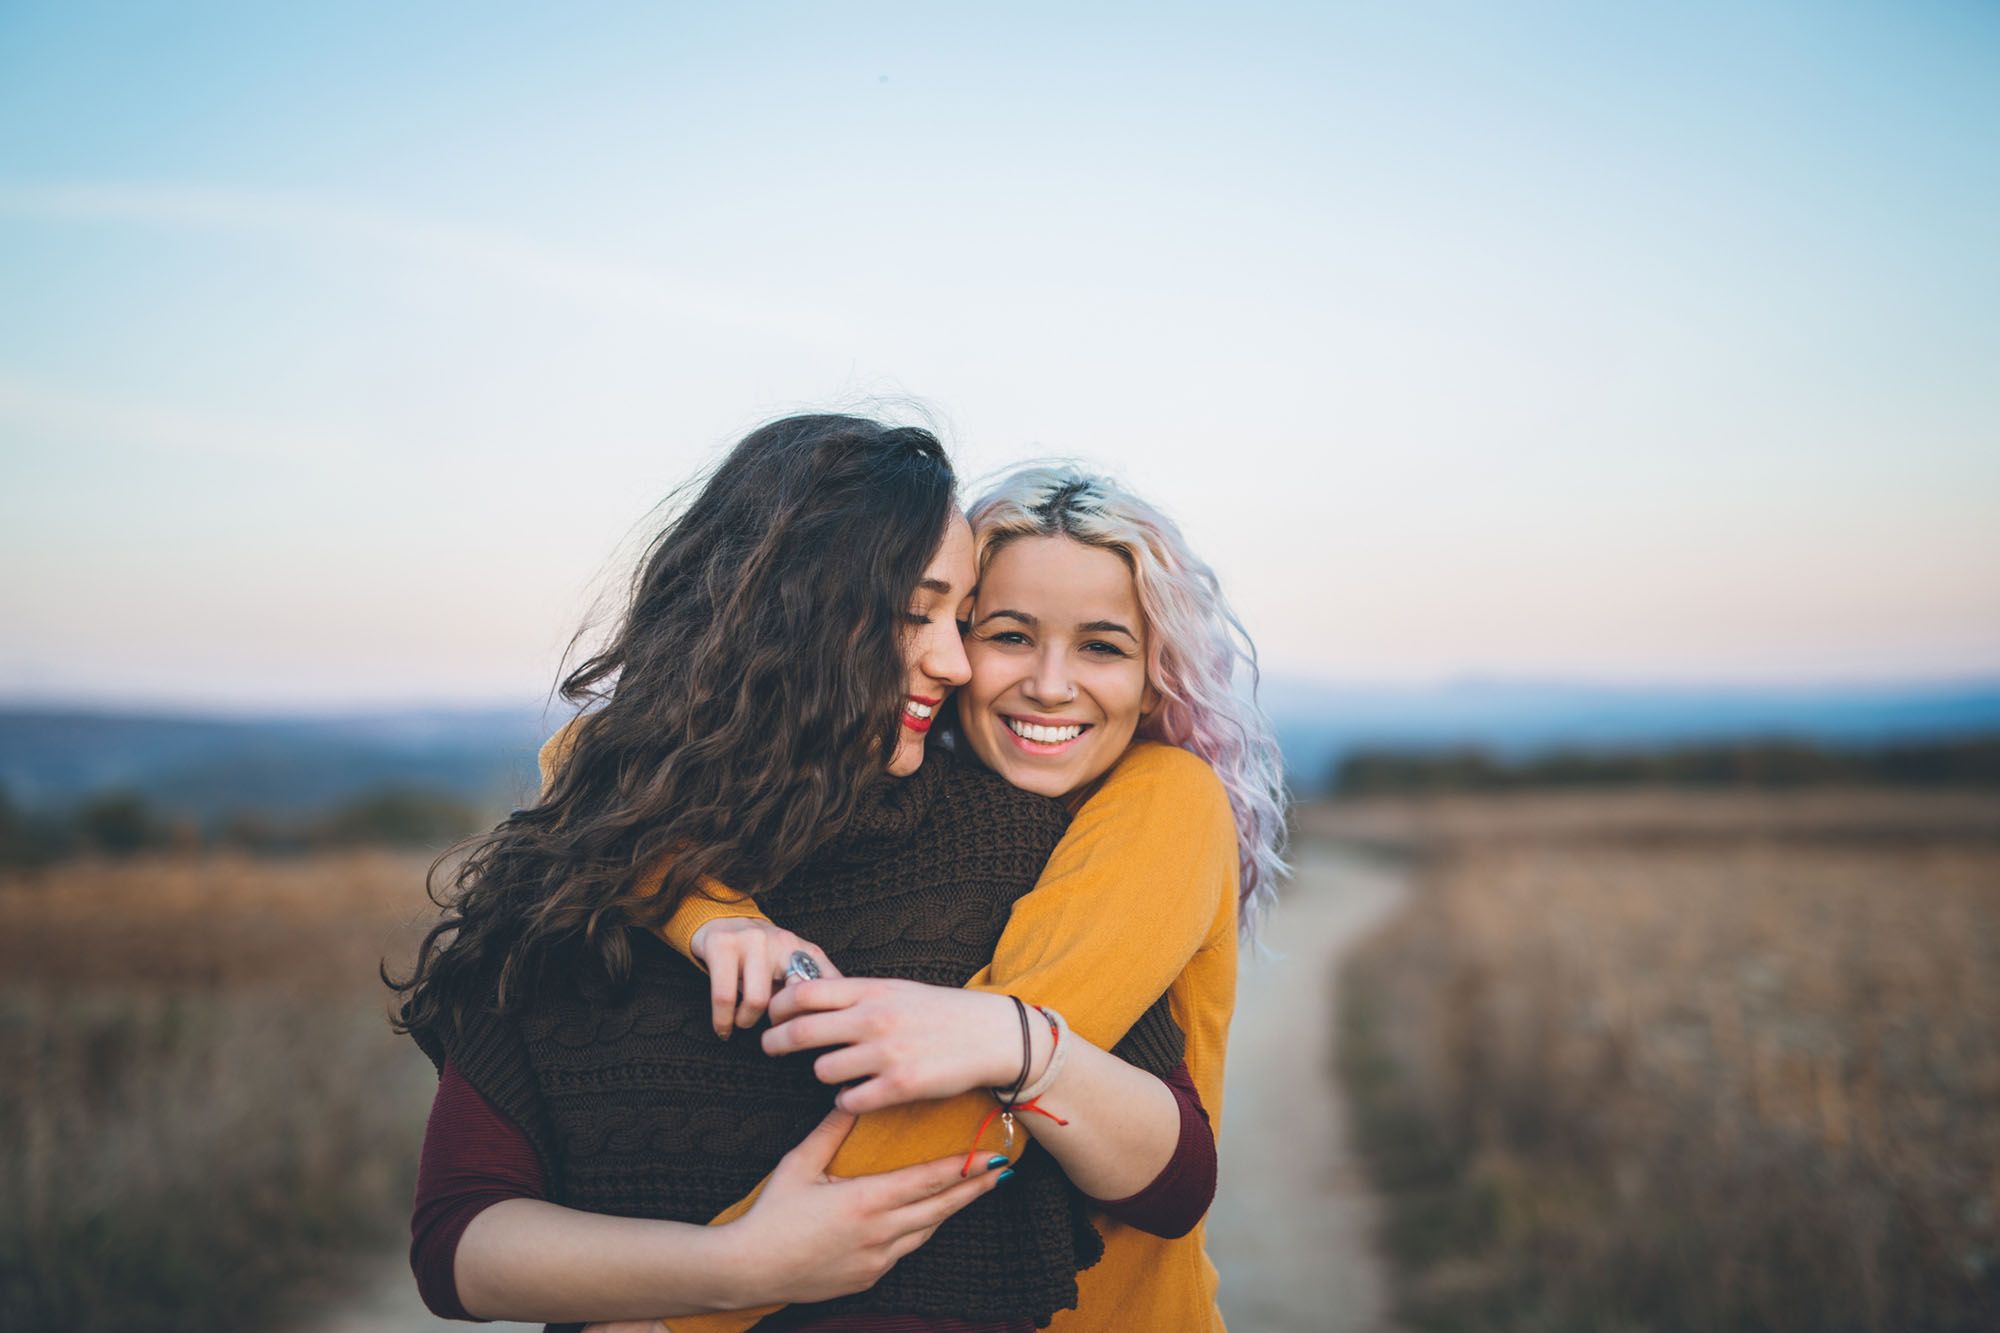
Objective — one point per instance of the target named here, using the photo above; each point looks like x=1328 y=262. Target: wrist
x=1042 y=1044
x=1006 y=1071
x=1048 y=1072
x=737 y=1274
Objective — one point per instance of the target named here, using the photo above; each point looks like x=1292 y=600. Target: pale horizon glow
x=344 y=356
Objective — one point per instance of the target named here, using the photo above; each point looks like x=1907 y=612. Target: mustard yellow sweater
x=1138 y=899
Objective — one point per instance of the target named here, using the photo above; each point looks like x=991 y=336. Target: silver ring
x=801 y=967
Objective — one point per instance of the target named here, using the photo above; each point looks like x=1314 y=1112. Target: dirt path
x=1289 y=1231
x=1291 y=1225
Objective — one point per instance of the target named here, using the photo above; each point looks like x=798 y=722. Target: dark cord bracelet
x=1027 y=1055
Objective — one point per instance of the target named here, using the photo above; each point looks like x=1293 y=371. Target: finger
x=723 y=968
x=848 y=1064
x=813 y=1031
x=927 y=1214
x=902 y=1245
x=890 y=1190
x=875 y=1094
x=756 y=981
x=818 y=955
x=783 y=945
x=810 y=1158
x=814 y=996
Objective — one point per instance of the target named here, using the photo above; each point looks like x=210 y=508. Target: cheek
x=990 y=676
x=1122 y=693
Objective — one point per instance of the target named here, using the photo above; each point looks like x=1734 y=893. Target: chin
x=1040 y=781
x=907 y=760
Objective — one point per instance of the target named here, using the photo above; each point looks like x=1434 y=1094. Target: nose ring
x=1072 y=695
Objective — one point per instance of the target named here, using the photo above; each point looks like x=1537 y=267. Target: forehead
x=952 y=562
x=1060 y=581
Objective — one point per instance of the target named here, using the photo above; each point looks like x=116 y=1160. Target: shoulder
x=1162 y=797
x=1164 y=774
x=555 y=750
x=976 y=794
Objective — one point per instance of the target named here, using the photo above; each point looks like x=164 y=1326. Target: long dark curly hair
x=749 y=695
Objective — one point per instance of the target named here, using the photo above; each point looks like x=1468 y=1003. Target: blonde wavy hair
x=1194 y=644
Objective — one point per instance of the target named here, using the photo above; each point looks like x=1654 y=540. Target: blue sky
x=343 y=351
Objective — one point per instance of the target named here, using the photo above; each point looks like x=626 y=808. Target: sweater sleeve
x=473 y=1157
x=1146 y=874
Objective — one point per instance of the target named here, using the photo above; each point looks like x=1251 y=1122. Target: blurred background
x=1590 y=410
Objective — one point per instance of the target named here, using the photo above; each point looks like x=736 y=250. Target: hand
x=744 y=955
x=811 y=1236
x=908 y=1041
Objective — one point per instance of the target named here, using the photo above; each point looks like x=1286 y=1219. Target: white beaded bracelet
x=1058 y=1026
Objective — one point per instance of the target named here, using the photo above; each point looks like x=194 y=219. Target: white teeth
x=915 y=709
x=1045 y=735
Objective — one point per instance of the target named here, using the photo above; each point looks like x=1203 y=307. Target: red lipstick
x=920 y=725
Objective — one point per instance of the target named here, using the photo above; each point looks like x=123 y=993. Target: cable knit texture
x=636 y=1109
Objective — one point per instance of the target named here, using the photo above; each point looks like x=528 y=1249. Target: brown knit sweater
x=636 y=1109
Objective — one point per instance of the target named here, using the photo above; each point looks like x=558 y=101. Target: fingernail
x=997 y=1159
x=1008 y=1174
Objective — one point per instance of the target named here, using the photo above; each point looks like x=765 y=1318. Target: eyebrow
x=934 y=585
x=1088 y=627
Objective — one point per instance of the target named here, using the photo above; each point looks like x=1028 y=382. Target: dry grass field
x=1628 y=1061
x=1672 y=1061
x=203 y=1114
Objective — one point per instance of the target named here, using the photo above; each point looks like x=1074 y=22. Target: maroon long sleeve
x=474 y=1156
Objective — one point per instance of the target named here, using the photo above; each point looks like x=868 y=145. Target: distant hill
x=206 y=768
x=209 y=768
x=1320 y=724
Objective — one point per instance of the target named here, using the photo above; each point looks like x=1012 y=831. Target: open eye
x=1099 y=648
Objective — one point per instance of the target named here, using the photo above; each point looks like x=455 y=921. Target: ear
x=1148 y=701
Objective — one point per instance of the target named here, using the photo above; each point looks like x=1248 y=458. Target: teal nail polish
x=996 y=1160
x=1008 y=1174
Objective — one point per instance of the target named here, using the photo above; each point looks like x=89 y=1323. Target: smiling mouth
x=1044 y=738
x=917 y=713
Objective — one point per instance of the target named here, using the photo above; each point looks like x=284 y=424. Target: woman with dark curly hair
x=788 y=637
x=1103 y=659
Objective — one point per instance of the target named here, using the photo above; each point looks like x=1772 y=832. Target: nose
x=944 y=656
x=1049 y=683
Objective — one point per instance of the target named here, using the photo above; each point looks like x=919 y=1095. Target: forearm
x=527 y=1259
x=1123 y=1123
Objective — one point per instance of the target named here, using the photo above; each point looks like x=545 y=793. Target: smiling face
x=933 y=653
x=1058 y=655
